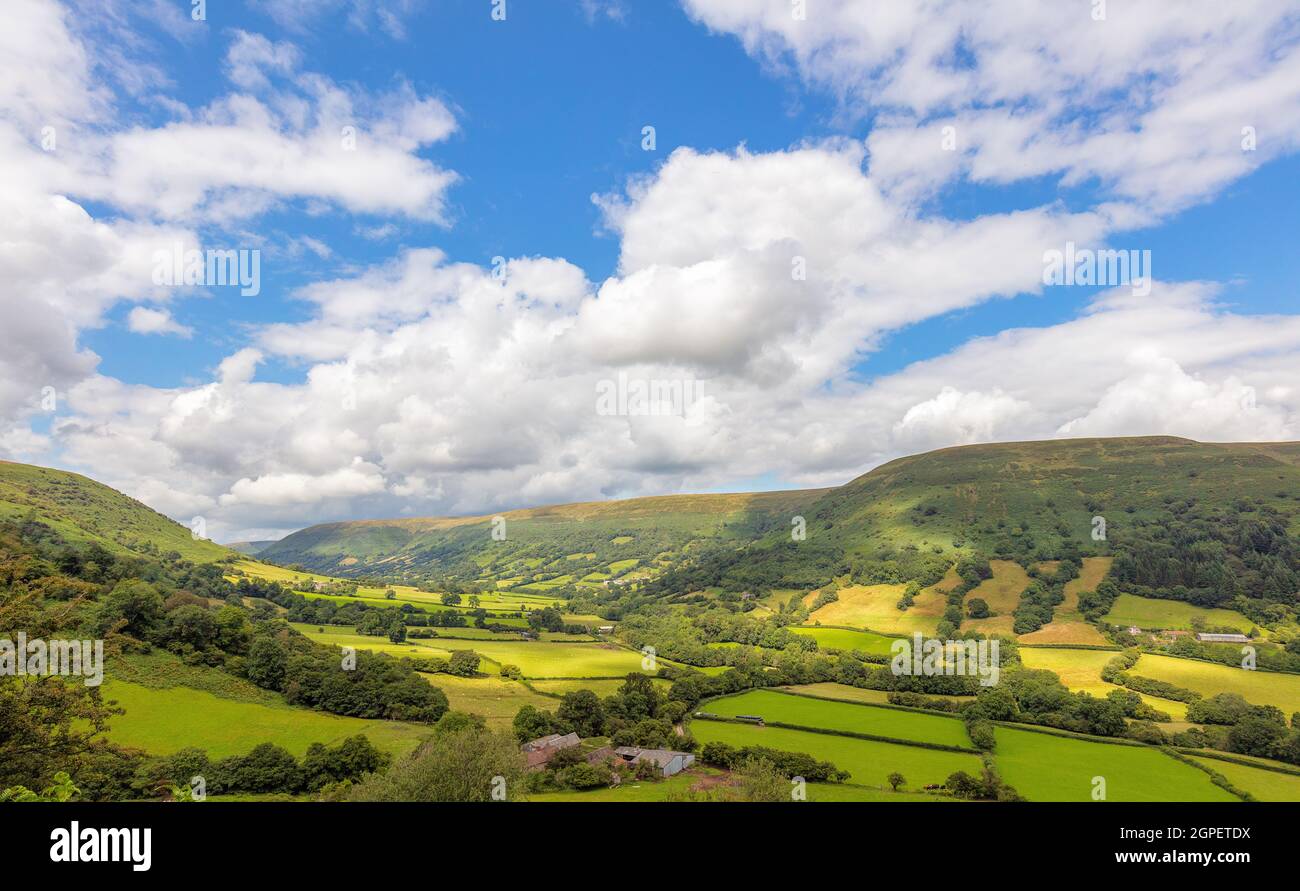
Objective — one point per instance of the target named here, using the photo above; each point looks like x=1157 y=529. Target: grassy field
x=1265 y=785
x=868 y=762
x=845 y=639
x=1002 y=594
x=495 y=698
x=1090 y=576
x=600 y=686
x=493 y=601
x=805 y=711
x=1147 y=612
x=1207 y=678
x=1043 y=767
x=1080 y=670
x=874 y=607
x=83 y=510
x=342 y=636
x=161 y=721
x=1065 y=632
x=719 y=784
x=538 y=659
x=856 y=694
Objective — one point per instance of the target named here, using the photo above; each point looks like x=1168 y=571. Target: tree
x=450 y=599
x=267 y=660
x=582 y=712
x=134 y=605
x=532 y=723
x=977 y=608
x=761 y=781
x=472 y=764
x=896 y=780
x=463 y=663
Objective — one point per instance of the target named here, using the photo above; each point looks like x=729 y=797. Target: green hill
x=568 y=542
x=81 y=509
x=1030 y=501
x=1034 y=496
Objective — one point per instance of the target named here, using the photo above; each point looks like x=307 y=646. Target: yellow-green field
x=1080 y=670
x=874 y=607
x=804 y=711
x=494 y=698
x=1065 y=632
x=162 y=721
x=499 y=601
x=1207 y=678
x=1147 y=612
x=600 y=686
x=856 y=694
x=1090 y=576
x=870 y=763
x=1045 y=767
x=846 y=639
x=1002 y=594
x=1265 y=785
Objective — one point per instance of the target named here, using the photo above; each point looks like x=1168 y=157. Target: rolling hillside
x=570 y=541
x=1023 y=496
x=81 y=509
x=1033 y=500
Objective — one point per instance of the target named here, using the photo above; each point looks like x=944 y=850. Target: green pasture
x=787 y=708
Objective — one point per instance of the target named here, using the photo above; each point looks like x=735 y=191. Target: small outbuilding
x=666 y=761
x=539 y=751
x=1222 y=638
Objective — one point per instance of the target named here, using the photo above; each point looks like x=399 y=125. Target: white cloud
x=1149 y=101
x=143 y=320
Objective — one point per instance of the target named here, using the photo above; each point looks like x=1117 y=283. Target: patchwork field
x=1147 y=613
x=162 y=721
x=718 y=784
x=874 y=607
x=1265 y=785
x=538 y=659
x=502 y=601
x=1090 y=576
x=846 y=639
x=855 y=694
x=1080 y=670
x=600 y=686
x=342 y=636
x=1044 y=767
x=1207 y=678
x=868 y=762
x=1002 y=593
x=495 y=698
x=1065 y=632
x=787 y=708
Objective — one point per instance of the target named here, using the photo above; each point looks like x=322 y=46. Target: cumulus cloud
x=143 y=320
x=1151 y=103
x=762 y=280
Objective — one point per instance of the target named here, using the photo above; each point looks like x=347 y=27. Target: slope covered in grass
x=82 y=510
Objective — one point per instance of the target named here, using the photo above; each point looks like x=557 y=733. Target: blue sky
x=922 y=321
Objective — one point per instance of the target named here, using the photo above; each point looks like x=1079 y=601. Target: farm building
x=667 y=761
x=1222 y=638
x=539 y=751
